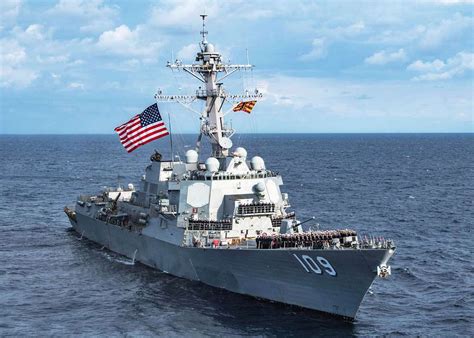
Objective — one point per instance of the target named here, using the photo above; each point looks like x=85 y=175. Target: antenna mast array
x=206 y=69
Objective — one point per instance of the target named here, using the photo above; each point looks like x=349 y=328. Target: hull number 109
x=311 y=266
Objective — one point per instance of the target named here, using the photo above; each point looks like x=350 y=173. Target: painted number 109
x=311 y=266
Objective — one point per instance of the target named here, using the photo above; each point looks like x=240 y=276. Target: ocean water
x=415 y=189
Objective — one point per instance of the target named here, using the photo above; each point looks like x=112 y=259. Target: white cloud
x=120 y=38
x=383 y=57
x=420 y=66
x=27 y=53
x=450 y=2
x=318 y=50
x=435 y=35
x=9 y=10
x=76 y=85
x=33 y=33
x=16 y=77
x=179 y=13
x=348 y=31
x=12 y=54
x=52 y=59
x=126 y=42
x=328 y=35
x=259 y=13
x=183 y=14
x=94 y=15
x=425 y=34
x=381 y=101
x=441 y=70
x=188 y=52
x=13 y=73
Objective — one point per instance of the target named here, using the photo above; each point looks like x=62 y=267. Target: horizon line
x=263 y=133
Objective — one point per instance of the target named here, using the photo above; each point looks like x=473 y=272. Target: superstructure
x=224 y=220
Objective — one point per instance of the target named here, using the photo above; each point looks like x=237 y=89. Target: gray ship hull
x=276 y=275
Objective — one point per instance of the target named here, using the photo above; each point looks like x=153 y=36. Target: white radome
x=257 y=163
x=210 y=48
x=212 y=164
x=260 y=187
x=240 y=152
x=191 y=156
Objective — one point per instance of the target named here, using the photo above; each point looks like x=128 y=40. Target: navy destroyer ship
x=224 y=221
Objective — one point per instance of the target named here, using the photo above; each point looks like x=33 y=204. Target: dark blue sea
x=417 y=189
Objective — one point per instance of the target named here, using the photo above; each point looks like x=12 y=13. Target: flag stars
x=150 y=115
x=142 y=129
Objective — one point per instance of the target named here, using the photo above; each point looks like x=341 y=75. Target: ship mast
x=207 y=69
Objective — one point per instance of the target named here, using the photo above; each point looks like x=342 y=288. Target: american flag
x=141 y=129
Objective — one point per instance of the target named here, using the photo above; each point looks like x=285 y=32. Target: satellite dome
x=257 y=163
x=212 y=164
x=191 y=156
x=259 y=187
x=240 y=152
x=209 y=48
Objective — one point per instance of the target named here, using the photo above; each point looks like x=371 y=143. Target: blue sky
x=74 y=66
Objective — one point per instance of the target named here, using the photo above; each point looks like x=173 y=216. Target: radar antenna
x=204 y=31
x=206 y=69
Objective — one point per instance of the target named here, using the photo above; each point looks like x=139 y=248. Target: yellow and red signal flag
x=245 y=106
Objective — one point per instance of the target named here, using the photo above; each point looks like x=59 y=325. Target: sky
x=87 y=66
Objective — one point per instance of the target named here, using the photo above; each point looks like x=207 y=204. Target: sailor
x=273 y=243
x=279 y=241
x=156 y=157
x=293 y=240
x=268 y=242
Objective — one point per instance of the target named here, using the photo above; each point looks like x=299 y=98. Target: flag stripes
x=245 y=106
x=142 y=129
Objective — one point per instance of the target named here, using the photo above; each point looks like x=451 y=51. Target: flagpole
x=171 y=137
